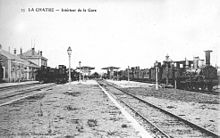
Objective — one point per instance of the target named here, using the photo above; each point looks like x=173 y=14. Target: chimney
x=21 y=51
x=32 y=50
x=41 y=53
x=186 y=64
x=201 y=62
x=167 y=57
x=15 y=51
x=207 y=57
x=195 y=62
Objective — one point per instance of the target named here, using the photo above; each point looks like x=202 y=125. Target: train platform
x=2 y=85
x=84 y=111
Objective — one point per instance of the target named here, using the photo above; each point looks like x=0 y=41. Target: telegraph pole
x=175 y=75
x=156 y=72
x=128 y=74
x=167 y=69
x=80 y=71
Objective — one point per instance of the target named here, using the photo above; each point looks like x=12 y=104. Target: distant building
x=16 y=69
x=111 y=73
x=33 y=56
x=85 y=71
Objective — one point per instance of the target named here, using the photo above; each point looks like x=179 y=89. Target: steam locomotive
x=189 y=75
x=47 y=74
x=55 y=75
x=185 y=74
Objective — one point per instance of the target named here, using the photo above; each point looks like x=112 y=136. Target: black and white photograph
x=109 y=69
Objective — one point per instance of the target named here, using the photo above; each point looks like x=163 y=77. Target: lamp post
x=167 y=69
x=80 y=71
x=117 y=76
x=156 y=72
x=69 y=51
x=174 y=73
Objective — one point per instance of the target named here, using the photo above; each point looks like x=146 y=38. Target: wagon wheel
x=196 y=86
x=178 y=85
x=202 y=86
x=210 y=86
x=188 y=86
x=184 y=86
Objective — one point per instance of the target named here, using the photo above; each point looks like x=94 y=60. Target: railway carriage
x=47 y=74
x=61 y=74
x=152 y=73
x=1 y=73
x=41 y=74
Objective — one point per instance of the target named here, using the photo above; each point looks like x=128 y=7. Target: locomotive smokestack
x=32 y=51
x=207 y=57
x=15 y=51
x=186 y=64
x=195 y=62
x=21 y=51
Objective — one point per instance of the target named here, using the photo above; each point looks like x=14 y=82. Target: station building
x=16 y=68
x=33 y=56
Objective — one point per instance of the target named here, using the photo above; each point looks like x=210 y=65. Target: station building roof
x=86 y=67
x=9 y=55
x=13 y=57
x=17 y=59
x=110 y=68
x=32 y=54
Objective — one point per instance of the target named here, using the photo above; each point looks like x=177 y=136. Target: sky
x=120 y=33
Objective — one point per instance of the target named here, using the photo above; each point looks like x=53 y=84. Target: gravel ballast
x=201 y=109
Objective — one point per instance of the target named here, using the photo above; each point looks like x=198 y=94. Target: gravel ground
x=84 y=112
x=128 y=84
x=17 y=83
x=202 y=109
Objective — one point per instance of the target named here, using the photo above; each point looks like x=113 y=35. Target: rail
x=201 y=129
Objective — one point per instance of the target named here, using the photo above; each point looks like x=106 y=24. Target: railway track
x=13 y=90
x=15 y=95
x=163 y=123
x=6 y=88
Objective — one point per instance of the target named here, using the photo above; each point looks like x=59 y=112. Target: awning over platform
x=85 y=68
x=110 y=68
